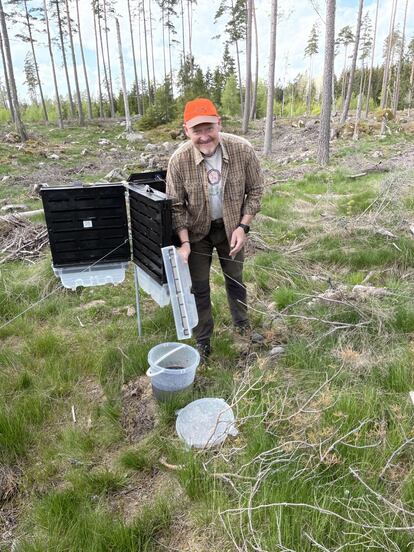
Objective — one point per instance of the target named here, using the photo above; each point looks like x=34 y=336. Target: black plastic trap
x=151 y=228
x=86 y=224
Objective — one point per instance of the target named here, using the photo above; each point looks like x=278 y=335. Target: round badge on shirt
x=213 y=176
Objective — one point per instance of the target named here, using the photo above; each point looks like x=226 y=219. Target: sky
x=294 y=25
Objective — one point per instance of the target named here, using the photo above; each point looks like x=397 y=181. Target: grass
x=333 y=405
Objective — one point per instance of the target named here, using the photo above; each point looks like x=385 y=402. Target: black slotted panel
x=151 y=228
x=86 y=224
x=154 y=179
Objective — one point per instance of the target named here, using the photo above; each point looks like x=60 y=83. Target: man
x=217 y=184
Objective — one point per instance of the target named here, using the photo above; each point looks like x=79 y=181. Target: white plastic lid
x=205 y=423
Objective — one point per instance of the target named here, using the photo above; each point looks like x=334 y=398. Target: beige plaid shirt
x=187 y=184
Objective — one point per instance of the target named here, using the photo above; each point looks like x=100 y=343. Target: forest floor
x=324 y=458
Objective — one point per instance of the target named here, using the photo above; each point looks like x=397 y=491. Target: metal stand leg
x=137 y=299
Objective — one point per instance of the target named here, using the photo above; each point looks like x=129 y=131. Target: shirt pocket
x=194 y=201
x=235 y=186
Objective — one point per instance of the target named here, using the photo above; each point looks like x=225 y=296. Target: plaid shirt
x=187 y=184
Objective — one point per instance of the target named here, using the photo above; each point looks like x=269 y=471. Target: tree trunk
x=183 y=29
x=52 y=62
x=108 y=90
x=236 y=43
x=88 y=95
x=309 y=94
x=410 y=94
x=247 y=96
x=134 y=57
x=20 y=128
x=140 y=61
x=372 y=61
x=152 y=46
x=388 y=57
x=354 y=60
x=6 y=80
x=75 y=70
x=344 y=73
x=396 y=98
x=108 y=58
x=325 y=126
x=164 y=56
x=190 y=33
x=101 y=110
x=128 y=125
x=256 y=70
x=267 y=149
x=65 y=65
x=359 y=104
x=29 y=29
x=146 y=51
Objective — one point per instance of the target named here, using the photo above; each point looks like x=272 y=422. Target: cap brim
x=202 y=119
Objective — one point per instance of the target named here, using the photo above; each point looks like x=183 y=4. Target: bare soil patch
x=139 y=409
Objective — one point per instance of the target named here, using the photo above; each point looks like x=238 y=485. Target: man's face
x=205 y=136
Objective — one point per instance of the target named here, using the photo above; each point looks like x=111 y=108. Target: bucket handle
x=151 y=372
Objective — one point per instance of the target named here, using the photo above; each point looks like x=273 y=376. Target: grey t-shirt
x=215 y=189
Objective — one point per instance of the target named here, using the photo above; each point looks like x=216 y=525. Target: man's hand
x=238 y=239
x=185 y=251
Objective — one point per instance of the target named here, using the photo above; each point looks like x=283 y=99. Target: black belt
x=217 y=222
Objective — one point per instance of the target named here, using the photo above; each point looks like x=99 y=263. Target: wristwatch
x=245 y=227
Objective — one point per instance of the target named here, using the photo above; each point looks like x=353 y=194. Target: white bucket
x=172 y=368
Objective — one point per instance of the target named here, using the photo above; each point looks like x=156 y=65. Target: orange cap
x=200 y=111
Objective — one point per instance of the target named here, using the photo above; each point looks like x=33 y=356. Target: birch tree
x=325 y=125
x=267 y=150
x=353 y=65
x=246 y=113
x=52 y=64
x=20 y=128
x=128 y=125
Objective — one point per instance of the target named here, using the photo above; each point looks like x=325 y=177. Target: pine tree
x=229 y=97
x=311 y=49
x=345 y=38
x=267 y=149
x=353 y=64
x=27 y=36
x=20 y=128
x=325 y=128
x=374 y=39
x=60 y=22
x=31 y=78
x=52 y=63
